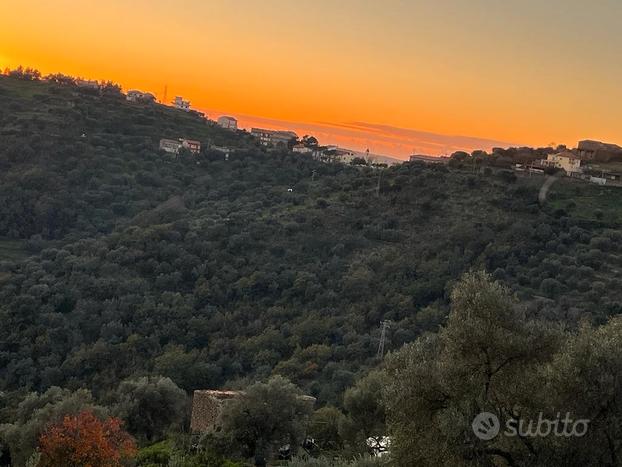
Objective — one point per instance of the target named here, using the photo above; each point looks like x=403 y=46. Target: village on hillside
x=270 y=139
x=591 y=161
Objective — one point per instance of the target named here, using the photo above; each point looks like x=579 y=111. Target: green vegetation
x=13 y=250
x=588 y=202
x=492 y=357
x=270 y=415
x=129 y=278
x=323 y=462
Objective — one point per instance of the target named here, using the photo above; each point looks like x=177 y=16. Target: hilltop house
x=302 y=149
x=181 y=104
x=273 y=137
x=332 y=153
x=589 y=150
x=566 y=160
x=173 y=146
x=87 y=83
x=229 y=123
x=139 y=96
x=192 y=145
x=170 y=145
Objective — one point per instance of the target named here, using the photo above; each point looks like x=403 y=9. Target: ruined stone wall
x=207 y=408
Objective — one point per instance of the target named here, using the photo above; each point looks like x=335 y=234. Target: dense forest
x=119 y=261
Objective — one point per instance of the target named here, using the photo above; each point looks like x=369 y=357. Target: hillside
x=118 y=260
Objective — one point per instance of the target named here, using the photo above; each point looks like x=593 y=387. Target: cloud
x=419 y=139
x=380 y=139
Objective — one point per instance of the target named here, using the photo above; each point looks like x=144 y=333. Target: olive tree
x=267 y=416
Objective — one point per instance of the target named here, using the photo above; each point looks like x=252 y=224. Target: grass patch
x=587 y=201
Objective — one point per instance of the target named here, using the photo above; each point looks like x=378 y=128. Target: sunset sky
x=391 y=75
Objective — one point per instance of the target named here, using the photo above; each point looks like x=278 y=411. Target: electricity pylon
x=383 y=337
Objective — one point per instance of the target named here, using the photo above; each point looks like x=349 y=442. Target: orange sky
x=392 y=75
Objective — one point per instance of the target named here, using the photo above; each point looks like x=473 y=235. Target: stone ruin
x=206 y=409
x=207 y=406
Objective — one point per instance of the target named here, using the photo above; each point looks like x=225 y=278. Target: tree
x=479 y=154
x=588 y=364
x=111 y=88
x=365 y=412
x=150 y=406
x=188 y=370
x=309 y=141
x=85 y=440
x=460 y=156
x=324 y=428
x=61 y=79
x=268 y=416
x=486 y=359
x=36 y=411
x=26 y=74
x=491 y=358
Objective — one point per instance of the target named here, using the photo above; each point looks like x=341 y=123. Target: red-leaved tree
x=86 y=441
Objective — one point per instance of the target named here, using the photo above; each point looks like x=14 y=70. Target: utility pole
x=383 y=337
x=378 y=186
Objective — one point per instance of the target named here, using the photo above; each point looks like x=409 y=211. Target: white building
x=598 y=180
x=173 y=146
x=302 y=149
x=181 y=104
x=229 y=123
x=566 y=160
x=273 y=137
x=170 y=145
